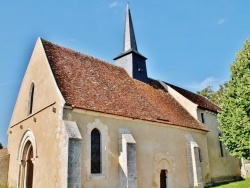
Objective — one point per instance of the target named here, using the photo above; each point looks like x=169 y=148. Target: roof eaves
x=128 y=52
x=161 y=121
x=213 y=108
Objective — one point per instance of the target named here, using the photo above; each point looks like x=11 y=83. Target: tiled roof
x=201 y=101
x=92 y=84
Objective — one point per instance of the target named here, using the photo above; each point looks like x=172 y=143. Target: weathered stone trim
x=164 y=161
x=245 y=168
x=28 y=136
x=194 y=166
x=74 y=155
x=127 y=160
x=105 y=139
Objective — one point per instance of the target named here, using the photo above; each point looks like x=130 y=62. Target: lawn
x=237 y=184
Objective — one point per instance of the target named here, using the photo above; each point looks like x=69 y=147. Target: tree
x=1 y=146
x=207 y=92
x=217 y=96
x=214 y=96
x=234 y=117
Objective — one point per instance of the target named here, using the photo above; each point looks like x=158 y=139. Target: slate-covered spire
x=130 y=59
x=129 y=34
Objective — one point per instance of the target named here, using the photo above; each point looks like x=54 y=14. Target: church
x=82 y=122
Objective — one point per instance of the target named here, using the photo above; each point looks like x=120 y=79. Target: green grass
x=237 y=184
x=3 y=186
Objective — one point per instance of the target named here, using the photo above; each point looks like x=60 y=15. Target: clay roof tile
x=201 y=101
x=92 y=84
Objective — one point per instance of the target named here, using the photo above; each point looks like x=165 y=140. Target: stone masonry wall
x=4 y=166
x=127 y=160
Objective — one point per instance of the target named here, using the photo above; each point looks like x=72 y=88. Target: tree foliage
x=1 y=146
x=214 y=96
x=234 y=117
x=207 y=92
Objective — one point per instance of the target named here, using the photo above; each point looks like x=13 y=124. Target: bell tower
x=130 y=59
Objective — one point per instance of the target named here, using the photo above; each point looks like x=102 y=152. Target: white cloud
x=114 y=4
x=221 y=21
x=210 y=81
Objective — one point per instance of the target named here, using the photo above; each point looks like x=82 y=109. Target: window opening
x=95 y=151
x=200 y=156
x=202 y=118
x=221 y=146
x=31 y=99
x=163 y=179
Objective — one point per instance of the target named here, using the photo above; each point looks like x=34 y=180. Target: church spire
x=130 y=59
x=129 y=34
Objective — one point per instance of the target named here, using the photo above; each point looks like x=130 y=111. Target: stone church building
x=82 y=122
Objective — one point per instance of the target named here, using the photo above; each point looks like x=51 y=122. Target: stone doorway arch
x=26 y=156
x=164 y=168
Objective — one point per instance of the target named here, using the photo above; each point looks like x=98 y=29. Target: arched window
x=95 y=151
x=163 y=179
x=31 y=99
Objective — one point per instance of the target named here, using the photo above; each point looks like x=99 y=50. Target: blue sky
x=189 y=43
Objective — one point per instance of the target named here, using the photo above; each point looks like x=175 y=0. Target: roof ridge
x=187 y=91
x=206 y=99
x=81 y=53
